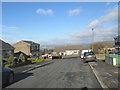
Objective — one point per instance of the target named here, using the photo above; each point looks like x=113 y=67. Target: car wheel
x=84 y=61
x=10 y=78
x=95 y=61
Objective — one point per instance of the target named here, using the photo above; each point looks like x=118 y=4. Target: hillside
x=97 y=45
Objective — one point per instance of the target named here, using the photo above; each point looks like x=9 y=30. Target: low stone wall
x=113 y=59
x=100 y=56
x=109 y=60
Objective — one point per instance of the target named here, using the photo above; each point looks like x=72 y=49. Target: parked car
x=82 y=53
x=89 y=56
x=119 y=53
x=57 y=57
x=7 y=74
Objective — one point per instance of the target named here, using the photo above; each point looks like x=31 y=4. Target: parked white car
x=47 y=56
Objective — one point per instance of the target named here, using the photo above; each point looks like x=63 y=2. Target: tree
x=101 y=45
x=106 y=50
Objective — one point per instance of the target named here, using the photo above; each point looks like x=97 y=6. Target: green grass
x=32 y=59
x=36 y=59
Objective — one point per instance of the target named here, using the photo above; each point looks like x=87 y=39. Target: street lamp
x=92 y=38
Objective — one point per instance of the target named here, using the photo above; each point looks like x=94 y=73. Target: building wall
x=7 y=53
x=23 y=47
x=72 y=52
x=62 y=53
x=35 y=49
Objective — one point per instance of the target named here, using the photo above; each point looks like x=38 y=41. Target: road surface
x=63 y=73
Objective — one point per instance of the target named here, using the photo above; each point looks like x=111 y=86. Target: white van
x=82 y=53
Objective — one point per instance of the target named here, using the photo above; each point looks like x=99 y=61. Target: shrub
x=10 y=60
x=39 y=59
x=21 y=58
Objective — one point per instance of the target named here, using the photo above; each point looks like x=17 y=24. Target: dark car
x=89 y=56
x=57 y=57
x=7 y=75
x=119 y=53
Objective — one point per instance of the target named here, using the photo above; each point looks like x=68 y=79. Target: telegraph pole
x=92 y=39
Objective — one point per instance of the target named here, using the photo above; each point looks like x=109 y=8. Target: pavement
x=107 y=75
x=29 y=67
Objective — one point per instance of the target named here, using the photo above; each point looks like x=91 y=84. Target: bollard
x=114 y=61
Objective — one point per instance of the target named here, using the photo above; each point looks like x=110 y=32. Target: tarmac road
x=63 y=73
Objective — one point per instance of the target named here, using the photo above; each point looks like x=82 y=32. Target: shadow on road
x=85 y=88
x=71 y=57
x=18 y=77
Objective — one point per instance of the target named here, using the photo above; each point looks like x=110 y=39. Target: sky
x=54 y=23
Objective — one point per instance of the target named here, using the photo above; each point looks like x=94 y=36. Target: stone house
x=30 y=48
x=6 y=50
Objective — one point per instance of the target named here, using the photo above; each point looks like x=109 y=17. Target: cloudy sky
x=60 y=22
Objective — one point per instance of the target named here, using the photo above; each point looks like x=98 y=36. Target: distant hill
x=106 y=43
x=62 y=48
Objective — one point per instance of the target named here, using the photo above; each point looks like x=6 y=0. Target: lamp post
x=92 y=38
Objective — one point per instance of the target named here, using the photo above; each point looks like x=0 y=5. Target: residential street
x=68 y=44
x=64 y=73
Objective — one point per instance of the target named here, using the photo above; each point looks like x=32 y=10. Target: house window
x=32 y=47
x=75 y=51
x=37 y=47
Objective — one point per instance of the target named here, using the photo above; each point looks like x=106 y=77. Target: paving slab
x=107 y=75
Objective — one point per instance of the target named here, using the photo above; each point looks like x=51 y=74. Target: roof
x=68 y=47
x=5 y=45
x=29 y=42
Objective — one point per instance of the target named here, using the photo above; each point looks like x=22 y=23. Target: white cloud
x=101 y=31
x=12 y=27
x=8 y=33
x=74 y=12
x=8 y=28
x=113 y=15
x=94 y=22
x=44 y=12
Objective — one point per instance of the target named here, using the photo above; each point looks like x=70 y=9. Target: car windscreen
x=88 y=53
